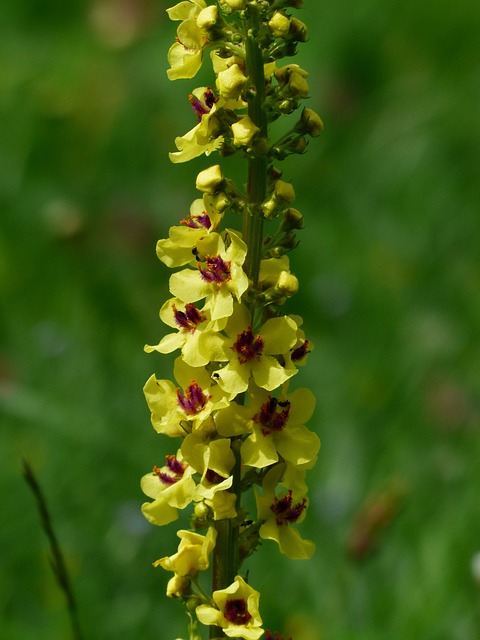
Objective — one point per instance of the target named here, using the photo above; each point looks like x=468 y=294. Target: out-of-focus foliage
x=389 y=269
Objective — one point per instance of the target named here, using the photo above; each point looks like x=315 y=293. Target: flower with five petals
x=219 y=277
x=235 y=611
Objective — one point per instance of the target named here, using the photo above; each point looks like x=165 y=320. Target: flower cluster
x=236 y=423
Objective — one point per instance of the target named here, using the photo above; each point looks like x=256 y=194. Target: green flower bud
x=279 y=24
x=284 y=192
x=292 y=219
x=283 y=74
x=298 y=30
x=310 y=123
x=221 y=201
x=209 y=180
x=297 y=146
x=298 y=86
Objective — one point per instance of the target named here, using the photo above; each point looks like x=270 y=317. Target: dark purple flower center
x=216 y=270
x=197 y=222
x=248 y=346
x=285 y=511
x=172 y=472
x=188 y=319
x=193 y=400
x=300 y=352
x=273 y=415
x=213 y=477
x=236 y=611
x=203 y=107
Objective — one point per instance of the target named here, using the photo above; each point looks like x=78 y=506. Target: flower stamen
x=248 y=346
x=188 y=319
x=216 y=271
x=285 y=511
x=270 y=418
x=193 y=400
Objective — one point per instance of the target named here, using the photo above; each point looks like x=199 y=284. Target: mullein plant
x=237 y=428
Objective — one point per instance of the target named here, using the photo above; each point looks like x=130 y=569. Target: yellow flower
x=279 y=513
x=204 y=218
x=219 y=277
x=251 y=354
x=205 y=136
x=193 y=553
x=190 y=322
x=171 y=487
x=214 y=461
x=278 y=429
x=236 y=611
x=175 y=412
x=186 y=54
x=297 y=355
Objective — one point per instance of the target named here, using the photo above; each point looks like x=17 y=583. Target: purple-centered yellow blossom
x=278 y=429
x=213 y=460
x=235 y=611
x=219 y=276
x=171 y=487
x=205 y=136
x=190 y=322
x=176 y=411
x=251 y=354
x=177 y=249
x=279 y=513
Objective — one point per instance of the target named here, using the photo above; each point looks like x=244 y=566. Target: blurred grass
x=389 y=270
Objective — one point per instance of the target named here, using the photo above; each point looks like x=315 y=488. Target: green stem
x=226 y=557
x=257 y=166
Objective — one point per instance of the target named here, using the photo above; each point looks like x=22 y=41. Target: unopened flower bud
x=231 y=81
x=284 y=72
x=279 y=24
x=298 y=29
x=209 y=180
x=310 y=123
x=221 y=201
x=207 y=17
x=292 y=219
x=178 y=587
x=284 y=192
x=298 y=86
x=243 y=131
x=298 y=145
x=287 y=284
x=287 y=106
x=234 y=5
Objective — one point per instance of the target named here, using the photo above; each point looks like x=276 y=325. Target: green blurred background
x=389 y=269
